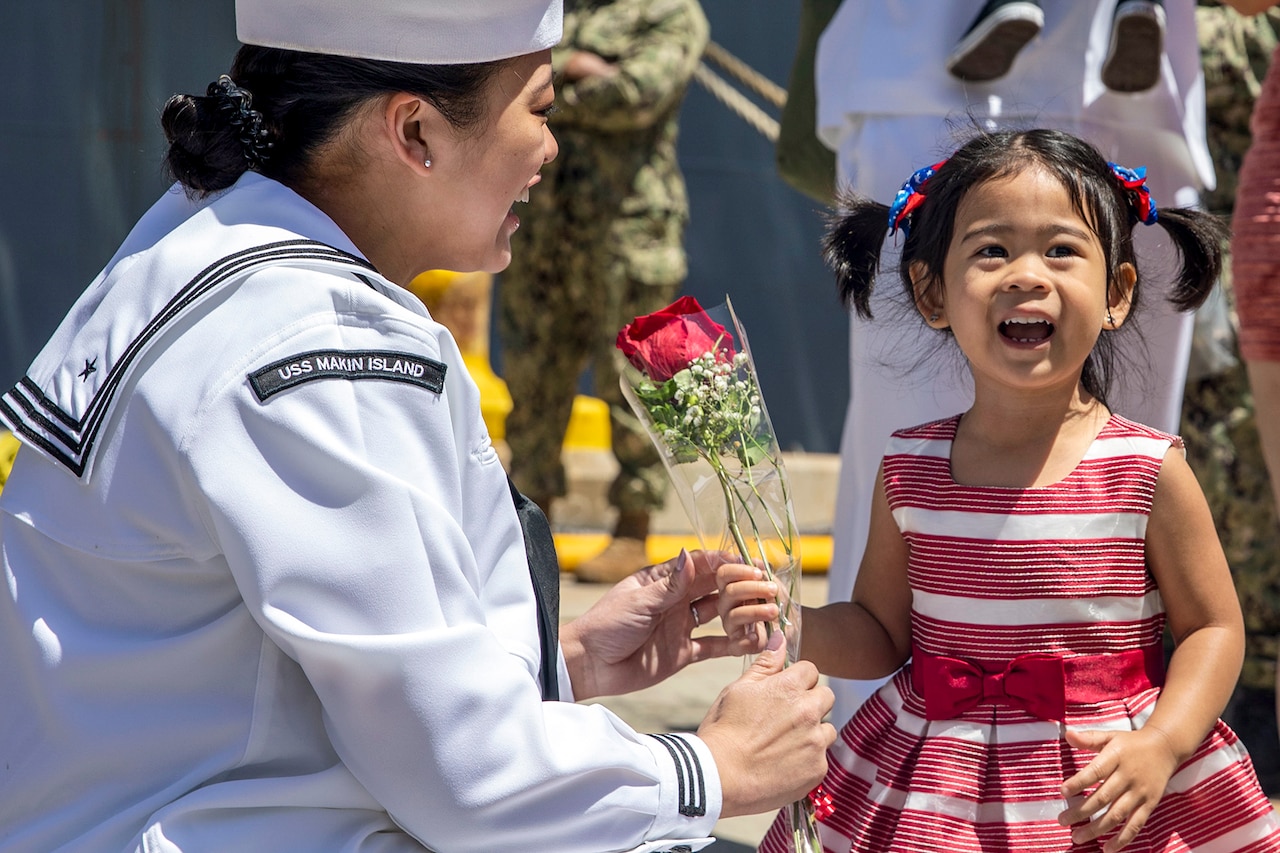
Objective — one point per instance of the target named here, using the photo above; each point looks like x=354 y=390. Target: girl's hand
x=746 y=602
x=1130 y=771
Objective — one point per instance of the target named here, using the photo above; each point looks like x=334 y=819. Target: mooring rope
x=746 y=75
x=735 y=100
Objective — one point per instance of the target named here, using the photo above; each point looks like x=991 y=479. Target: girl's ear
x=1120 y=296
x=928 y=296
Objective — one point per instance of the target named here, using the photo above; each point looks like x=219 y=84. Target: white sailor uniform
x=266 y=587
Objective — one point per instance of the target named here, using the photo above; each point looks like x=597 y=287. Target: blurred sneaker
x=987 y=50
x=1137 y=43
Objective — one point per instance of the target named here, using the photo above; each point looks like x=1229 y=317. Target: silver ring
x=697 y=620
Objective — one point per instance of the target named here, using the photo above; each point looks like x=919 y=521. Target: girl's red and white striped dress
x=1031 y=609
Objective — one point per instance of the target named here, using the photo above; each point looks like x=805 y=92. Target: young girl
x=1024 y=556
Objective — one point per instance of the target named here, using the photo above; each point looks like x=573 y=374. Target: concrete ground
x=679 y=703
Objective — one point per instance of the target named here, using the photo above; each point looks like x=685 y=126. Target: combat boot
x=626 y=552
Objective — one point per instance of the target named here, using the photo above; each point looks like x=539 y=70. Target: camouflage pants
x=561 y=304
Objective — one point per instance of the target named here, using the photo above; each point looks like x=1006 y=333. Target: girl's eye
x=549 y=111
x=992 y=252
x=1062 y=252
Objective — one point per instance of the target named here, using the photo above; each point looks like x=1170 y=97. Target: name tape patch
x=350 y=365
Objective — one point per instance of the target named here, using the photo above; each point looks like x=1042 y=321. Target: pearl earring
x=426 y=163
x=933 y=318
x=1110 y=320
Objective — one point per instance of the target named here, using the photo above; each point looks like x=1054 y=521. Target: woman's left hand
x=1130 y=773
x=642 y=630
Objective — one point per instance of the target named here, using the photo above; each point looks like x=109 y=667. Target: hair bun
x=214 y=139
x=236 y=107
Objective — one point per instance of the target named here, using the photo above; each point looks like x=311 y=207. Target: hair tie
x=1135 y=183
x=235 y=105
x=909 y=198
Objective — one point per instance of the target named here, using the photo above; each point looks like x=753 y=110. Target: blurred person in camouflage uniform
x=601 y=241
x=1219 y=424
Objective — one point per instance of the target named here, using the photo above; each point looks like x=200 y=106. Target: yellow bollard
x=8 y=452
x=460 y=302
x=589 y=427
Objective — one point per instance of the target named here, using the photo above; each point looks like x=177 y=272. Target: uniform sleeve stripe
x=693 y=795
x=680 y=768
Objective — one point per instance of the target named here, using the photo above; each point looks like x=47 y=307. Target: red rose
x=665 y=342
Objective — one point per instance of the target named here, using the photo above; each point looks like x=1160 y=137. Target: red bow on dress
x=823 y=806
x=1034 y=682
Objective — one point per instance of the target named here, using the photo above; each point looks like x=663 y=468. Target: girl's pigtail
x=1200 y=238
x=851 y=248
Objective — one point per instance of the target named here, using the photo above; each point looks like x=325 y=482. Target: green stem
x=785 y=538
x=735 y=530
x=804 y=828
x=751 y=480
x=730 y=494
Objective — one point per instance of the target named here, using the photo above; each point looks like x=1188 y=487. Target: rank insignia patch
x=350 y=365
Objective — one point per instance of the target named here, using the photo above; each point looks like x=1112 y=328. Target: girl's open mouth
x=1026 y=330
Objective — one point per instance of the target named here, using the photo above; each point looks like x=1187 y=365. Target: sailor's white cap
x=424 y=32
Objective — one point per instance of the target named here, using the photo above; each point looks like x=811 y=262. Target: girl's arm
x=868 y=637
x=1184 y=555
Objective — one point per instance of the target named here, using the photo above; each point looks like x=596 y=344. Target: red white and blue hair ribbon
x=909 y=198
x=1135 y=183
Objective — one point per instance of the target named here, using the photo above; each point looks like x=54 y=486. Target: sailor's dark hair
x=857 y=229
x=277 y=107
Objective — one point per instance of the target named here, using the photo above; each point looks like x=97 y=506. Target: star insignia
x=89 y=367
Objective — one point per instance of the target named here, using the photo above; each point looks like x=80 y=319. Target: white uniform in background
x=266 y=586
x=887 y=105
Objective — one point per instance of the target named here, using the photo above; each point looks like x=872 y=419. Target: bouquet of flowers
x=692 y=384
